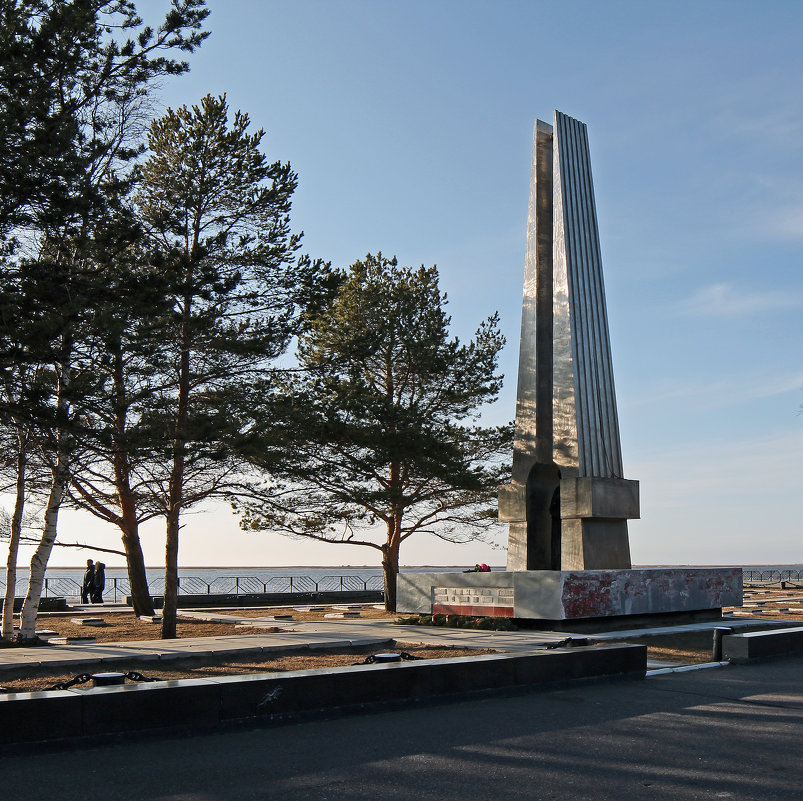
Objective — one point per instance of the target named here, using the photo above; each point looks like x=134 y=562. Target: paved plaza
x=299 y=635
x=734 y=733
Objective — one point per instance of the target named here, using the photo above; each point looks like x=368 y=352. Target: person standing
x=100 y=583
x=88 y=586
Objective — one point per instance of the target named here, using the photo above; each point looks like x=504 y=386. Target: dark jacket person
x=100 y=583
x=88 y=586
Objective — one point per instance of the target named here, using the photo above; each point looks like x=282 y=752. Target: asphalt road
x=732 y=733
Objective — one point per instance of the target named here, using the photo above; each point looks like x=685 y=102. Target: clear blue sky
x=410 y=126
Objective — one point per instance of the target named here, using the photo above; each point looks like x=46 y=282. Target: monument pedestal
x=594 y=512
x=575 y=523
x=571 y=595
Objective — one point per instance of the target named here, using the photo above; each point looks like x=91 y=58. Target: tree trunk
x=61 y=475
x=390 y=570
x=171 y=577
x=137 y=577
x=176 y=494
x=390 y=550
x=30 y=606
x=14 y=541
x=176 y=486
x=171 y=541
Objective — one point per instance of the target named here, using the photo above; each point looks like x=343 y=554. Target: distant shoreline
x=241 y=568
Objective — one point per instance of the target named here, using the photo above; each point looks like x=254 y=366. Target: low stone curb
x=186 y=600
x=59 y=716
x=664 y=671
x=754 y=645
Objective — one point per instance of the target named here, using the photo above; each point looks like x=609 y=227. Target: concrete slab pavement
x=321 y=634
x=98 y=653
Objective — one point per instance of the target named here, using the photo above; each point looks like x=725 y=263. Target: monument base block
x=594 y=544
x=558 y=595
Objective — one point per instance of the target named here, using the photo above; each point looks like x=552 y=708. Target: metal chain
x=83 y=678
x=371 y=659
x=135 y=676
x=569 y=642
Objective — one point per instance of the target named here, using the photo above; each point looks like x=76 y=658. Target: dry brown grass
x=201 y=667
x=366 y=612
x=124 y=627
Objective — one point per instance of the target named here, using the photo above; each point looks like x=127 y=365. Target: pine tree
x=217 y=215
x=110 y=479
x=67 y=69
x=383 y=420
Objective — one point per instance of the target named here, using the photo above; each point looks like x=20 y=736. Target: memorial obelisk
x=568 y=503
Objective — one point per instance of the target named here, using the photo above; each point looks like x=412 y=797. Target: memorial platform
x=572 y=595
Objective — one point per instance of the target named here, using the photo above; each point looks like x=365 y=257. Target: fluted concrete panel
x=564 y=418
x=582 y=298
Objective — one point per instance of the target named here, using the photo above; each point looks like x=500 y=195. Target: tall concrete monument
x=568 y=502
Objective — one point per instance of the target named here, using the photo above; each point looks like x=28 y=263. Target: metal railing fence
x=118 y=588
x=771 y=576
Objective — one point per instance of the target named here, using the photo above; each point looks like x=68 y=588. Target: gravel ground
x=124 y=627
